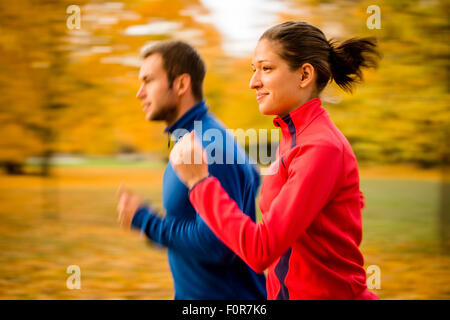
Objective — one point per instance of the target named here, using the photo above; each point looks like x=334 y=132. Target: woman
x=311 y=206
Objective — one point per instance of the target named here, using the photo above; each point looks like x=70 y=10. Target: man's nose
x=255 y=82
x=140 y=94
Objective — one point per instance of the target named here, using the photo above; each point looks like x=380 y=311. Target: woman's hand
x=189 y=160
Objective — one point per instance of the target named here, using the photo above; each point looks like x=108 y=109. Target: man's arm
x=191 y=237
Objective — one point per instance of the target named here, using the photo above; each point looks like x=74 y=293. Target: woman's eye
x=267 y=68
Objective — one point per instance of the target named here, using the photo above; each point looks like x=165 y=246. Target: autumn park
x=72 y=130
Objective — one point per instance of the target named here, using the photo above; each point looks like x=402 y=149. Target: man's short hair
x=179 y=57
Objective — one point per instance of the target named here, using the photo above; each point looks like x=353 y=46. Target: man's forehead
x=151 y=65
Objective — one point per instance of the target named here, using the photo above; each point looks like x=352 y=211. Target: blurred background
x=71 y=129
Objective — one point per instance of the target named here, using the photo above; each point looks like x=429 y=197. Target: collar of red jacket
x=296 y=121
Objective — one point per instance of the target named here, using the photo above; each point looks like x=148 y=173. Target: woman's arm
x=312 y=178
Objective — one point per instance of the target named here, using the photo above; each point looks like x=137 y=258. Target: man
x=202 y=266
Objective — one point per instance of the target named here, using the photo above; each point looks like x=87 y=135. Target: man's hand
x=128 y=204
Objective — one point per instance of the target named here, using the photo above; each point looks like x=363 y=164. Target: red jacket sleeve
x=312 y=177
x=362 y=200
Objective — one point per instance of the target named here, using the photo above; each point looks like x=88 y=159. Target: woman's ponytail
x=302 y=43
x=347 y=59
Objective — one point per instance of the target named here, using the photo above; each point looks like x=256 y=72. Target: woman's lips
x=260 y=96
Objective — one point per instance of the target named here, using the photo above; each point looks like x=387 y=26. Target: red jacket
x=311 y=213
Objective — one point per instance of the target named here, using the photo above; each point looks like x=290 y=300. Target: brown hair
x=178 y=58
x=302 y=43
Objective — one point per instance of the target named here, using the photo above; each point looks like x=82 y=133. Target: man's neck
x=184 y=106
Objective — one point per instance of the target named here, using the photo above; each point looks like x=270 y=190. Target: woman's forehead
x=265 y=51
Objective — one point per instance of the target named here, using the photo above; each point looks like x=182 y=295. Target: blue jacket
x=202 y=266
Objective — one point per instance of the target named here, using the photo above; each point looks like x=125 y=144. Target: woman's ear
x=306 y=75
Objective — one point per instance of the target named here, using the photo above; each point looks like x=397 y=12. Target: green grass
x=105 y=162
x=400 y=211
x=49 y=224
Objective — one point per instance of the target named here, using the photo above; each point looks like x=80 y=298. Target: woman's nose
x=255 y=82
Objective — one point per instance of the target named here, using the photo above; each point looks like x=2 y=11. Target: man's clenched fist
x=128 y=204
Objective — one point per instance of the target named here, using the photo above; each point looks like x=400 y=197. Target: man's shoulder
x=210 y=121
x=219 y=140
x=212 y=130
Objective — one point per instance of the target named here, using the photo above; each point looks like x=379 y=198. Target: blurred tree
x=35 y=83
x=74 y=91
x=400 y=113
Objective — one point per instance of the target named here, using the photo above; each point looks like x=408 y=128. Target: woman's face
x=277 y=87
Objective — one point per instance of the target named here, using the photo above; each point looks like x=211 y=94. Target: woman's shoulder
x=322 y=134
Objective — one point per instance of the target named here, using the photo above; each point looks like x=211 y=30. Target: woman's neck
x=299 y=103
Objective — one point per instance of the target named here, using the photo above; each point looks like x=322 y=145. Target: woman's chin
x=266 y=110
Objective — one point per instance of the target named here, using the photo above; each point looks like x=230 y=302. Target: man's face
x=158 y=99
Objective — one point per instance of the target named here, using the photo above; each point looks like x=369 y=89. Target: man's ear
x=182 y=84
x=306 y=73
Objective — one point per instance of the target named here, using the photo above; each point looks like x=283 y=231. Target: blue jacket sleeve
x=191 y=237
